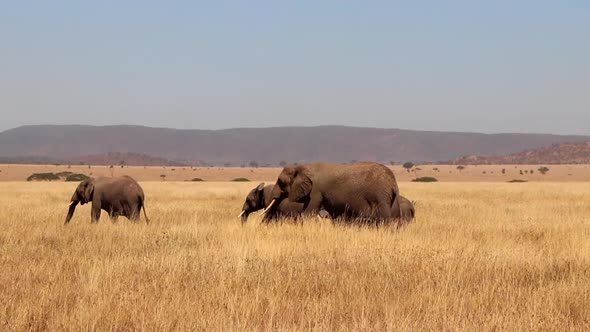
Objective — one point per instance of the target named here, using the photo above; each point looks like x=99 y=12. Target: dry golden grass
x=445 y=173
x=481 y=256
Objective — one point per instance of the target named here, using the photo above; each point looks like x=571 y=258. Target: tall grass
x=480 y=257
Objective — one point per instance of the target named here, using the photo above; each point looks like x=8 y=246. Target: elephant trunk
x=276 y=192
x=71 y=211
x=244 y=216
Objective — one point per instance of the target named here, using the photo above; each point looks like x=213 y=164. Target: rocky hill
x=566 y=153
x=262 y=145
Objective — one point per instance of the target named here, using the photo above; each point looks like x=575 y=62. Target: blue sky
x=485 y=66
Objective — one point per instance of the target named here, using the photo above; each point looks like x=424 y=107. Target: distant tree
x=483 y=172
x=163 y=176
x=408 y=165
x=543 y=170
x=282 y=163
x=460 y=168
x=89 y=167
x=436 y=169
x=526 y=171
x=253 y=164
x=503 y=171
x=521 y=172
x=532 y=172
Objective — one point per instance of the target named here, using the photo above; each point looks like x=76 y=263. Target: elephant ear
x=260 y=187
x=88 y=191
x=301 y=185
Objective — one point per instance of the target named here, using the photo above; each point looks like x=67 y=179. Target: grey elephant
x=118 y=196
x=363 y=191
x=260 y=197
x=408 y=211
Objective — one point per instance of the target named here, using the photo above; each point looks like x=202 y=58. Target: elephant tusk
x=268 y=207
x=242 y=213
x=72 y=202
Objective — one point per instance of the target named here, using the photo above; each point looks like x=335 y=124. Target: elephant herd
x=362 y=192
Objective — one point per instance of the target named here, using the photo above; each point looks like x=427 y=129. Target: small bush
x=543 y=170
x=77 y=177
x=43 y=177
x=425 y=179
x=197 y=180
x=517 y=181
x=241 y=180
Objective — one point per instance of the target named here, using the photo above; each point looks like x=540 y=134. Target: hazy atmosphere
x=454 y=66
x=295 y=165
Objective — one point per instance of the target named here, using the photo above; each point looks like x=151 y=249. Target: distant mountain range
x=566 y=153
x=146 y=145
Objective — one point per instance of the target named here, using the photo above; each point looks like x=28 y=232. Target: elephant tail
x=147 y=220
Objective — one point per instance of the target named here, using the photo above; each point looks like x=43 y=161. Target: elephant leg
x=95 y=213
x=383 y=213
x=312 y=207
x=135 y=212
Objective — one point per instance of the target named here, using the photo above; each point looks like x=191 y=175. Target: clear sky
x=485 y=66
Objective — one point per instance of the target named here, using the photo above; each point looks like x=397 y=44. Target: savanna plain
x=480 y=256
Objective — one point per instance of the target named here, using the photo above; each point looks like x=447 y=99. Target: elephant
x=260 y=197
x=362 y=191
x=406 y=206
x=119 y=196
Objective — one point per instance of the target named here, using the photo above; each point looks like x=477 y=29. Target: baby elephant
x=118 y=196
x=259 y=198
x=408 y=210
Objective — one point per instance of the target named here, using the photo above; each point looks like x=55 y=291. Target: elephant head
x=83 y=194
x=254 y=202
x=294 y=183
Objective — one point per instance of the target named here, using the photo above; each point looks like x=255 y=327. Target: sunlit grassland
x=480 y=256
